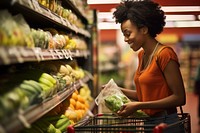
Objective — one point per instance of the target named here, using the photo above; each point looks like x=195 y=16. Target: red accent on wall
x=108 y=7
x=181 y=31
x=110 y=35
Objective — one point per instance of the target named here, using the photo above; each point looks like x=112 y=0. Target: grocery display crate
x=109 y=123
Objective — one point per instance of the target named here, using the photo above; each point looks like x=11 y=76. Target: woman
x=159 y=86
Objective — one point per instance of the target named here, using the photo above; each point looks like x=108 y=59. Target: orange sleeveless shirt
x=150 y=84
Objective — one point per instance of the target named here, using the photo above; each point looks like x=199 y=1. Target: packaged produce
x=112 y=97
x=10 y=32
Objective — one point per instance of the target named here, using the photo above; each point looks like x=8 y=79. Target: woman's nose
x=125 y=39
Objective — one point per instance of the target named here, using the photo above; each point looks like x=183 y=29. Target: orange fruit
x=78 y=105
x=80 y=99
x=79 y=114
x=75 y=96
x=72 y=101
x=71 y=107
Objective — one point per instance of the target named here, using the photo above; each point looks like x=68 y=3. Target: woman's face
x=132 y=35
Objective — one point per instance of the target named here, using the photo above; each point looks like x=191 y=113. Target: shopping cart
x=109 y=123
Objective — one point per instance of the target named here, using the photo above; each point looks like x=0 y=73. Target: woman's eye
x=127 y=34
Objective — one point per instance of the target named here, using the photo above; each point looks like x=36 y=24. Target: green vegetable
x=140 y=114
x=114 y=102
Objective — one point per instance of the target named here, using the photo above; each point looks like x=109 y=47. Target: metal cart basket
x=109 y=123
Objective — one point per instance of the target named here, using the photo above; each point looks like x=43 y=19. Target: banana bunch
x=48 y=83
x=12 y=101
x=33 y=90
x=49 y=124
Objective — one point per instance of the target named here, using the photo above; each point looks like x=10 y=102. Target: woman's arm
x=131 y=94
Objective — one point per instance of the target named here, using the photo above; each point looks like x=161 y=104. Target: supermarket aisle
x=191 y=107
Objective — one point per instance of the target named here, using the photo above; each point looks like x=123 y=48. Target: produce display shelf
x=24 y=118
x=76 y=10
x=40 y=14
x=11 y=55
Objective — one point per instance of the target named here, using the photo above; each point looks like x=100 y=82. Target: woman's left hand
x=128 y=109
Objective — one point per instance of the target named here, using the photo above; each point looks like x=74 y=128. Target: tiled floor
x=191 y=107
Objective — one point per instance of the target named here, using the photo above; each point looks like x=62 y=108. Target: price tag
x=58 y=54
x=14 y=51
x=64 y=53
x=4 y=56
x=77 y=53
x=70 y=54
x=67 y=22
x=50 y=15
x=41 y=55
x=62 y=21
x=52 y=53
x=37 y=53
x=25 y=52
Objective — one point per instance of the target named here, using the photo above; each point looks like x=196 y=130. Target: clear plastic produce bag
x=112 y=97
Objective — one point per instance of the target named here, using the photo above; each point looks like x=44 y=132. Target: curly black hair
x=141 y=13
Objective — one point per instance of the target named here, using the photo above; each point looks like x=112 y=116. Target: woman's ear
x=144 y=30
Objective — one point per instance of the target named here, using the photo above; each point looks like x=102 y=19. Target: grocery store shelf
x=76 y=10
x=24 y=119
x=11 y=55
x=38 y=13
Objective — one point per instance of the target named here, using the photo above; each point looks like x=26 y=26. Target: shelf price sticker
x=37 y=52
x=14 y=51
x=64 y=52
x=77 y=53
x=58 y=53
x=62 y=21
x=69 y=54
x=52 y=53
x=25 y=52
x=4 y=56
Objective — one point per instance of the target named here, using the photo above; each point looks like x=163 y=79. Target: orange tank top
x=150 y=84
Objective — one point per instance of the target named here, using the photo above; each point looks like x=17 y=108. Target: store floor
x=191 y=107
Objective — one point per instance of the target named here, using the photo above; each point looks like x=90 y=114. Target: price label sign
x=13 y=51
x=52 y=53
x=58 y=53
x=69 y=54
x=37 y=52
x=62 y=21
x=64 y=53
x=4 y=56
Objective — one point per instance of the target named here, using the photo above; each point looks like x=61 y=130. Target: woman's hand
x=128 y=109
